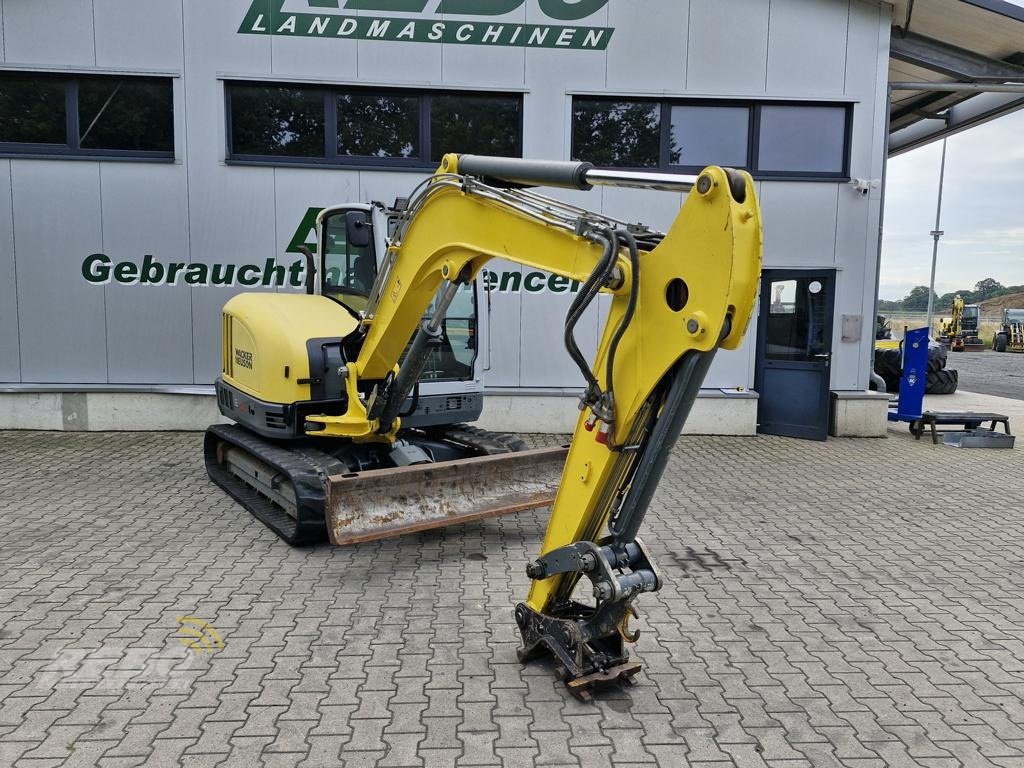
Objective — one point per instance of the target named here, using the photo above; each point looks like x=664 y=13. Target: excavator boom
x=347 y=468
x=676 y=298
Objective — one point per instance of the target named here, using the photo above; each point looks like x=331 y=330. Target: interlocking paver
x=815 y=612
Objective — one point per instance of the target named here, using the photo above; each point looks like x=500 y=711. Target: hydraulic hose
x=583 y=299
x=627 y=318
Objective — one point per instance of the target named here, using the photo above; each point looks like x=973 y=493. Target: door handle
x=824 y=356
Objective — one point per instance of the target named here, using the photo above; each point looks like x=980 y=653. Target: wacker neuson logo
x=461 y=22
x=100 y=269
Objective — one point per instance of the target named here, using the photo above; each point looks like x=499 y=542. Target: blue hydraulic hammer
x=910 y=405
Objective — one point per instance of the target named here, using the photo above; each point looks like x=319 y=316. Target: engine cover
x=268 y=341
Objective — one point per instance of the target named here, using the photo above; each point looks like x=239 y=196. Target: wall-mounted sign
x=101 y=269
x=459 y=22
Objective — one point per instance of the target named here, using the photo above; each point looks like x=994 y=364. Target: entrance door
x=794 y=352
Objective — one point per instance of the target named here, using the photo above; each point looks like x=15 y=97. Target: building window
x=277 y=121
x=704 y=135
x=617 y=133
x=475 y=124
x=378 y=125
x=772 y=140
x=106 y=116
x=353 y=127
x=802 y=139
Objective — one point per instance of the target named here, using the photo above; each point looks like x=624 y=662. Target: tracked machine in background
x=960 y=332
x=675 y=299
x=1010 y=336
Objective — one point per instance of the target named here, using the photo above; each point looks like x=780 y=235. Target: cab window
x=349 y=271
x=453 y=358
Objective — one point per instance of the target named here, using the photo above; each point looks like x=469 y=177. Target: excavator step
x=306 y=496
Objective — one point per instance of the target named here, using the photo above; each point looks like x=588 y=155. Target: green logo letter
x=307 y=225
x=568 y=10
x=96 y=269
x=398 y=6
x=478 y=8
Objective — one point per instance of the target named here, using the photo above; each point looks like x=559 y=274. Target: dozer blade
x=379 y=504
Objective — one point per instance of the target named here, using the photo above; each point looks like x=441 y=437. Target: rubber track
x=305 y=474
x=486 y=442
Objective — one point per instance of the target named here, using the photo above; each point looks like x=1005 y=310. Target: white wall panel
x=56 y=226
x=648 y=49
x=727 y=46
x=231 y=222
x=3 y=41
x=735 y=368
x=853 y=243
x=488 y=66
x=10 y=358
x=866 y=50
x=382 y=61
x=505 y=312
x=799 y=221
x=806 y=46
x=145 y=34
x=544 y=362
x=149 y=339
x=387 y=185
x=325 y=58
x=869 y=36
x=49 y=32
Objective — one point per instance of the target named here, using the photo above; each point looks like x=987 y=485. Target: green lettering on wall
x=305 y=234
x=570 y=11
x=479 y=7
x=267 y=17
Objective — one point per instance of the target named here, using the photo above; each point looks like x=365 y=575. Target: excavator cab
x=355 y=241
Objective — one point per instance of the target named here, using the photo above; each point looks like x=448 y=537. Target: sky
x=982 y=211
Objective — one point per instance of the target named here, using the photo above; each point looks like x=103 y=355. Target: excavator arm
x=676 y=298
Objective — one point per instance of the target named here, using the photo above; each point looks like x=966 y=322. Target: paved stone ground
x=856 y=603
x=990 y=373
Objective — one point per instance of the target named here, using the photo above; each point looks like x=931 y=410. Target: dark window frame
x=331 y=158
x=71 y=149
x=753 y=134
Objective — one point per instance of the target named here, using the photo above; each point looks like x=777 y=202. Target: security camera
x=864 y=186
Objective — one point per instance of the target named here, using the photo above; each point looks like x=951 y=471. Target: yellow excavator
x=960 y=332
x=676 y=298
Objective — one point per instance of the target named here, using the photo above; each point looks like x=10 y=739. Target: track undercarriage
x=309 y=491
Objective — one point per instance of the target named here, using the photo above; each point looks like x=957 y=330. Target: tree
x=917 y=299
x=987 y=289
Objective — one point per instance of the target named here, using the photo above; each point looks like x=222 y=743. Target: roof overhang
x=953 y=64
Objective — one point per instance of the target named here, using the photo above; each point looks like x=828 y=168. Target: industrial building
x=156 y=158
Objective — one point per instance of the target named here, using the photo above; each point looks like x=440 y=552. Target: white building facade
x=156 y=158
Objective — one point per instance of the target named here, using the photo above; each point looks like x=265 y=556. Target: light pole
x=936 y=234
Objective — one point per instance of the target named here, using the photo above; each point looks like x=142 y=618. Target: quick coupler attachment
x=588 y=642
